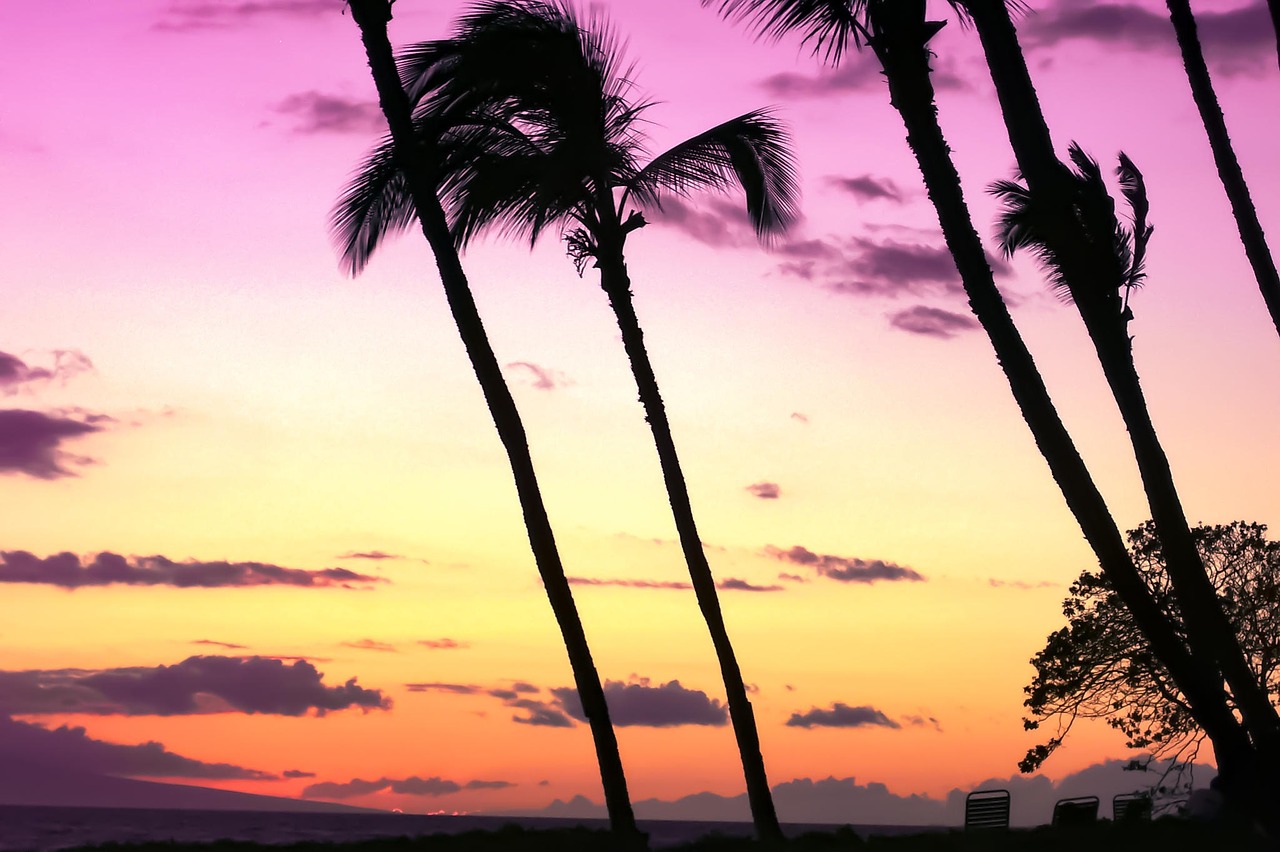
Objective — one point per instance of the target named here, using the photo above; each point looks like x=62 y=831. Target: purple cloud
x=31 y=443
x=25 y=744
x=188 y=15
x=1242 y=38
x=230 y=646
x=844 y=569
x=16 y=374
x=540 y=714
x=765 y=490
x=540 y=378
x=932 y=322
x=733 y=584
x=714 y=221
x=799 y=417
x=841 y=716
x=641 y=705
x=863 y=267
x=68 y=571
x=197 y=685
x=370 y=645
x=411 y=786
x=297 y=773
x=317 y=112
x=445 y=644
x=1021 y=585
x=630 y=584
x=375 y=555
x=455 y=688
x=869 y=188
x=860 y=72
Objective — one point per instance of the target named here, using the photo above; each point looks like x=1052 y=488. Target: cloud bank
x=68 y=571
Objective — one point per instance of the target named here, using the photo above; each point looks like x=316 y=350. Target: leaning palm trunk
x=617 y=285
x=1224 y=155
x=905 y=59
x=1209 y=634
x=1274 y=6
x=372 y=17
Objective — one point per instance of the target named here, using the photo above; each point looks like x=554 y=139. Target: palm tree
x=1078 y=229
x=898 y=33
x=573 y=160
x=1224 y=155
x=443 y=145
x=1274 y=6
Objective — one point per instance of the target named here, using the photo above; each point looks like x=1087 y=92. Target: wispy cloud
x=188 y=15
x=858 y=73
x=932 y=322
x=230 y=646
x=411 y=786
x=370 y=645
x=316 y=112
x=444 y=644
x=197 y=685
x=869 y=188
x=844 y=569
x=17 y=375
x=539 y=377
x=764 y=490
x=69 y=571
x=714 y=221
x=840 y=715
x=736 y=585
x=372 y=555
x=453 y=688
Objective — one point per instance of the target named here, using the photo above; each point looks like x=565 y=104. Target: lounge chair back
x=984 y=809
x=1080 y=810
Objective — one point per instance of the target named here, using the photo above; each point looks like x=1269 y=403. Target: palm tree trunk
x=617 y=285
x=1224 y=155
x=905 y=60
x=1208 y=630
x=372 y=16
x=1274 y=6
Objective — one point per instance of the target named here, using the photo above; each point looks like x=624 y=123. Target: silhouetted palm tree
x=574 y=161
x=1274 y=6
x=439 y=147
x=1224 y=155
x=898 y=33
x=1086 y=266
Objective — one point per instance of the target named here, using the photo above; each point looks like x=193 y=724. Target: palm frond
x=373 y=205
x=829 y=26
x=1134 y=188
x=1024 y=223
x=752 y=151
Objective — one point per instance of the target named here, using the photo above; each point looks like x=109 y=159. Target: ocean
x=24 y=828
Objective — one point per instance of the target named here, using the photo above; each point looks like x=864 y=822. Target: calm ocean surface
x=47 y=828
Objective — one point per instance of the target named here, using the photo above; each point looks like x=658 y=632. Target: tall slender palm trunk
x=372 y=17
x=904 y=56
x=617 y=285
x=1224 y=155
x=1208 y=630
x=1274 y=6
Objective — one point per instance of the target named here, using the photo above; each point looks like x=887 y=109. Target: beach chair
x=986 y=809
x=1080 y=810
x=1131 y=807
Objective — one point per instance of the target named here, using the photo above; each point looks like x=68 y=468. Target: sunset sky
x=257 y=512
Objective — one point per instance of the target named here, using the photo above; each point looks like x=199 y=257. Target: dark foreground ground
x=1163 y=835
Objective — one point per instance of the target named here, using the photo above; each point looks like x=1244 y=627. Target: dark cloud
x=455 y=688
x=792 y=578
x=68 y=571
x=541 y=714
x=714 y=221
x=297 y=773
x=865 y=267
x=733 y=584
x=869 y=188
x=31 y=443
x=197 y=685
x=316 y=112
x=540 y=378
x=230 y=646
x=841 y=716
x=765 y=490
x=843 y=568
x=860 y=72
x=375 y=555
x=188 y=15
x=932 y=322
x=1241 y=38
x=630 y=584
x=25 y=744
x=639 y=704
x=411 y=786
x=445 y=644
x=16 y=374
x=370 y=645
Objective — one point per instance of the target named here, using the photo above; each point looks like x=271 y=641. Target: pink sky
x=170 y=290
